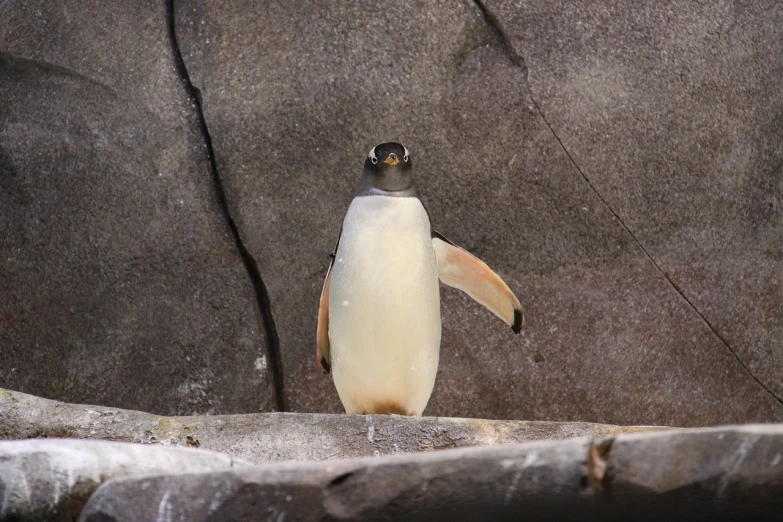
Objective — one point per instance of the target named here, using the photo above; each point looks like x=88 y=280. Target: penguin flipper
x=324 y=346
x=460 y=269
x=322 y=354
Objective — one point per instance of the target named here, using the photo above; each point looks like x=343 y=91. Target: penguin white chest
x=384 y=307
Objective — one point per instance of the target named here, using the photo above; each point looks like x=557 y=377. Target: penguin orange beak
x=392 y=159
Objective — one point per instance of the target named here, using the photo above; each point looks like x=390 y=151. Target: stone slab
x=266 y=438
x=42 y=480
x=730 y=473
x=454 y=483
x=740 y=464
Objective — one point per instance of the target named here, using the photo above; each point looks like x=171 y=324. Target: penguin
x=379 y=324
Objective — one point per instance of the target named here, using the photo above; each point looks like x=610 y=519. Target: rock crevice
x=249 y=262
x=519 y=60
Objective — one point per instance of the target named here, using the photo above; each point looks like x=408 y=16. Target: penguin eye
x=374 y=160
x=405 y=158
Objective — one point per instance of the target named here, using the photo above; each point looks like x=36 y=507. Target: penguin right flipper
x=322 y=352
x=460 y=269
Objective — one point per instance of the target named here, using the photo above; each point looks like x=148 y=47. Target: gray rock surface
x=119 y=283
x=265 y=438
x=719 y=474
x=674 y=112
x=460 y=483
x=735 y=464
x=53 y=479
x=295 y=94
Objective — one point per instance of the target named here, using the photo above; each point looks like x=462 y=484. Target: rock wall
x=119 y=281
x=618 y=164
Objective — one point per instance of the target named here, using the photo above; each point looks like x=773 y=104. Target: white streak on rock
x=261 y=363
x=513 y=486
x=164 y=509
x=738 y=457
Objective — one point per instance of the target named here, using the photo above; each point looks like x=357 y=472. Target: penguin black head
x=388 y=156
x=388 y=169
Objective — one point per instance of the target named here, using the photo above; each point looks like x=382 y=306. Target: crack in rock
x=251 y=267
x=494 y=25
x=597 y=457
x=519 y=61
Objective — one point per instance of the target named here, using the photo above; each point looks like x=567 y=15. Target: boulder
x=738 y=464
x=53 y=479
x=119 y=281
x=295 y=95
x=461 y=484
x=720 y=474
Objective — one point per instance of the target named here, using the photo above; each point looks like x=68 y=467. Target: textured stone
x=675 y=113
x=264 y=438
x=295 y=94
x=461 y=483
x=53 y=479
x=718 y=474
x=742 y=464
x=119 y=283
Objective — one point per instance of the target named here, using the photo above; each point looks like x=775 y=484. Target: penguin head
x=388 y=167
x=388 y=156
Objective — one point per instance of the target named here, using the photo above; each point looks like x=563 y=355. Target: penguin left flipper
x=460 y=269
x=324 y=346
x=322 y=354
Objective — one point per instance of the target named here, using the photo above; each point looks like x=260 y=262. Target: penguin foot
x=387 y=407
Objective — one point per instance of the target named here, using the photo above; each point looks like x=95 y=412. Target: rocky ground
x=279 y=437
x=338 y=467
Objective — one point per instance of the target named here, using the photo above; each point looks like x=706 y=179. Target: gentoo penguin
x=379 y=313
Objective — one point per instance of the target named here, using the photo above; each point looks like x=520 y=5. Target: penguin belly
x=384 y=307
